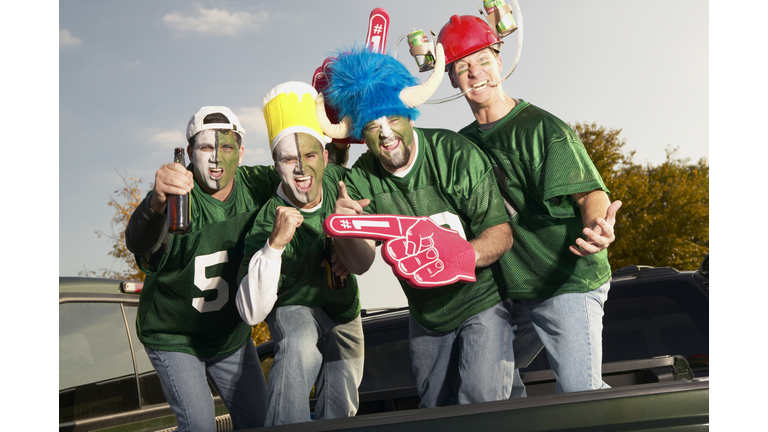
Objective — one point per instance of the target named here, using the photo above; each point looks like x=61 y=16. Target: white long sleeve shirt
x=257 y=292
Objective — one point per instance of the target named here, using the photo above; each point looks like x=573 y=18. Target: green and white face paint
x=300 y=161
x=215 y=156
x=391 y=140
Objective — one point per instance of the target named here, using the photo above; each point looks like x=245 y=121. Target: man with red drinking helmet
x=557 y=272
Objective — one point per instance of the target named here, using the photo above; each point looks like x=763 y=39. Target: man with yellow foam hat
x=315 y=325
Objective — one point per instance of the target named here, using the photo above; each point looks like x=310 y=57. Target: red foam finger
x=427 y=259
x=443 y=258
x=374 y=227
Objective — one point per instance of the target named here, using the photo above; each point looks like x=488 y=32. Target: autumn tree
x=128 y=198
x=664 y=218
x=260 y=333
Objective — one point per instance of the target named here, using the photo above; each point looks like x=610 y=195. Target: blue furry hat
x=365 y=85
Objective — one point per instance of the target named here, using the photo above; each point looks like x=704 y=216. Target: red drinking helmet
x=465 y=34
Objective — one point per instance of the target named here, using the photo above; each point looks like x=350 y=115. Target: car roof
x=70 y=284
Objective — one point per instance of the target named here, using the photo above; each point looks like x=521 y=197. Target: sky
x=132 y=73
x=107 y=88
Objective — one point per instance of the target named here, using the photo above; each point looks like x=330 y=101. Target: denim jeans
x=310 y=348
x=238 y=378
x=570 y=327
x=469 y=364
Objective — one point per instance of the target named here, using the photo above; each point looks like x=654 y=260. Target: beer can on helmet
x=465 y=34
x=420 y=45
x=506 y=24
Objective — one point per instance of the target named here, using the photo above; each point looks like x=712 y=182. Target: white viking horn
x=416 y=95
x=335 y=131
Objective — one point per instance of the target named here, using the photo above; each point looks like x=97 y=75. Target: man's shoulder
x=447 y=141
x=532 y=114
x=444 y=138
x=336 y=171
x=438 y=133
x=256 y=170
x=258 y=181
x=332 y=175
x=469 y=129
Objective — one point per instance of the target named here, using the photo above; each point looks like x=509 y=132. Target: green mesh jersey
x=539 y=162
x=303 y=280
x=188 y=300
x=452 y=182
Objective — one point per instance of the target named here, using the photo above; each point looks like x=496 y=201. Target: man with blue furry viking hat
x=460 y=343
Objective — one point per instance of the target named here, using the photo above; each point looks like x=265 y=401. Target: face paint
x=391 y=140
x=464 y=68
x=474 y=72
x=215 y=156
x=300 y=161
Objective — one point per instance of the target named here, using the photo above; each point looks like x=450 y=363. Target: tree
x=260 y=333
x=664 y=218
x=132 y=195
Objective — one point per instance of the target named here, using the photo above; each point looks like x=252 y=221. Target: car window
x=149 y=383
x=96 y=374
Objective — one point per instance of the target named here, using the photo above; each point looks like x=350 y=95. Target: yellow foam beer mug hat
x=290 y=108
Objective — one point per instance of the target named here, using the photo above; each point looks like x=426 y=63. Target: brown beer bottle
x=178 y=205
x=335 y=282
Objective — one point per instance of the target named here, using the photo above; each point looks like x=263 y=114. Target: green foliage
x=664 y=218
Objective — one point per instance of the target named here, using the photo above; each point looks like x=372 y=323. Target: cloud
x=169 y=139
x=256 y=140
x=253 y=122
x=66 y=39
x=213 y=22
x=256 y=156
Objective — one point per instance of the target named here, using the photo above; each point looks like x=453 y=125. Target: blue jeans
x=310 y=348
x=570 y=327
x=472 y=363
x=238 y=378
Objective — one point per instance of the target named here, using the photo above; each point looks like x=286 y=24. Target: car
x=105 y=377
x=656 y=358
x=655 y=328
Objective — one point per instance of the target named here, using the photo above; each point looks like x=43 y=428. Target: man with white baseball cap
x=316 y=326
x=187 y=318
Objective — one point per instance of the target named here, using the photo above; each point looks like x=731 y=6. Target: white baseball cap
x=196 y=121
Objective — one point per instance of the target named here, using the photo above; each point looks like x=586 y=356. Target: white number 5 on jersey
x=215 y=283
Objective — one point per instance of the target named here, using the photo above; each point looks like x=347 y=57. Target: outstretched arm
x=599 y=217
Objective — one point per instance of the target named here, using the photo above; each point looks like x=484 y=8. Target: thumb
x=343 y=191
x=610 y=215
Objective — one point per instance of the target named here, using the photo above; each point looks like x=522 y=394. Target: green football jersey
x=451 y=181
x=539 y=162
x=188 y=300
x=303 y=281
